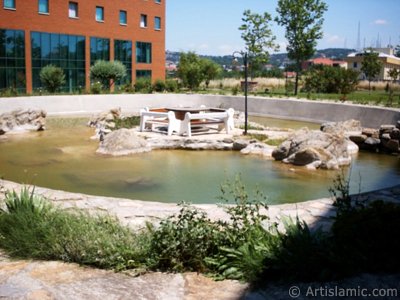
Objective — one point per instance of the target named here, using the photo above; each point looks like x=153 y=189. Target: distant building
x=323 y=61
x=386 y=56
x=74 y=34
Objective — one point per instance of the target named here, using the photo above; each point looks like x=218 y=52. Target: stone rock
x=386 y=129
x=341 y=127
x=240 y=144
x=385 y=136
x=104 y=122
x=395 y=134
x=22 y=120
x=258 y=149
x=398 y=124
x=370 y=132
x=372 y=141
x=123 y=142
x=358 y=139
x=392 y=145
x=316 y=149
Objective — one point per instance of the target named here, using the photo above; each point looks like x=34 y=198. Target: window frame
x=47 y=7
x=98 y=8
x=157 y=1
x=159 y=23
x=143 y=21
x=76 y=7
x=14 y=2
x=123 y=12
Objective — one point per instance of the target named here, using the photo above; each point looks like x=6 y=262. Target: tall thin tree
x=303 y=20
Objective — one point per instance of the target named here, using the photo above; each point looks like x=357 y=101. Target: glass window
x=143 y=52
x=143 y=21
x=123 y=53
x=99 y=13
x=157 y=23
x=73 y=10
x=63 y=50
x=12 y=60
x=99 y=49
x=9 y=4
x=158 y=1
x=143 y=74
x=123 y=19
x=44 y=6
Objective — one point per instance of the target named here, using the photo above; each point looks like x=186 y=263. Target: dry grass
x=380 y=85
x=263 y=83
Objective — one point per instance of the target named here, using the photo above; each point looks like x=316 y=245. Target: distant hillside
x=277 y=59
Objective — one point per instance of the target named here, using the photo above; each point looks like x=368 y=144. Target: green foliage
x=193 y=70
x=31 y=227
x=52 y=78
x=340 y=191
x=328 y=79
x=182 y=242
x=210 y=70
x=371 y=65
x=96 y=88
x=143 y=85
x=107 y=72
x=159 y=86
x=127 y=122
x=300 y=254
x=171 y=85
x=258 y=38
x=303 y=27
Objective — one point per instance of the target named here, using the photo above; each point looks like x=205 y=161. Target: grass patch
x=274 y=142
x=31 y=227
x=258 y=136
x=127 y=122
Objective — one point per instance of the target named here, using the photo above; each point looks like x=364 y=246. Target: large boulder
x=341 y=127
x=104 y=122
x=22 y=120
x=315 y=149
x=123 y=142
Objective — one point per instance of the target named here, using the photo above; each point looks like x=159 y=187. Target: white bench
x=159 y=117
x=223 y=119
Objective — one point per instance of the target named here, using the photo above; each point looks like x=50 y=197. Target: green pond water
x=63 y=157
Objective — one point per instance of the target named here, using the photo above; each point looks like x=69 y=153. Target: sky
x=210 y=27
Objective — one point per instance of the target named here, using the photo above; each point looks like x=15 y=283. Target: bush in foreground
x=32 y=227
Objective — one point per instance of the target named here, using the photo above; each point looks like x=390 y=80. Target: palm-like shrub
x=52 y=78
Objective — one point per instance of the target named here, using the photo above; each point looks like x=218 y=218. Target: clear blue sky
x=211 y=26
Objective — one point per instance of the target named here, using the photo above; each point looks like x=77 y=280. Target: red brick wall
x=26 y=17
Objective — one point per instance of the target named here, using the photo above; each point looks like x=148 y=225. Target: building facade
x=385 y=56
x=323 y=61
x=74 y=34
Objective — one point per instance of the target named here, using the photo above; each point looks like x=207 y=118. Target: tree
x=303 y=21
x=107 y=72
x=52 y=78
x=371 y=65
x=210 y=70
x=192 y=70
x=328 y=79
x=258 y=37
x=393 y=74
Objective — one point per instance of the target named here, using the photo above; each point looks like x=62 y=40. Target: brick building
x=74 y=34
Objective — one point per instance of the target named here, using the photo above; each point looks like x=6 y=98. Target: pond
x=63 y=157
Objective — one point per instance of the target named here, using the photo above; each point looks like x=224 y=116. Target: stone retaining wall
x=314 y=111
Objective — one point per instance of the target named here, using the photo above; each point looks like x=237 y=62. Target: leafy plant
x=127 y=122
x=143 y=85
x=171 y=85
x=159 y=86
x=107 y=72
x=52 y=78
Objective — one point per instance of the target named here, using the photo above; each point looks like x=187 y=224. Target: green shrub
x=128 y=122
x=31 y=227
x=52 y=78
x=143 y=85
x=171 y=85
x=107 y=72
x=182 y=242
x=159 y=86
x=96 y=88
